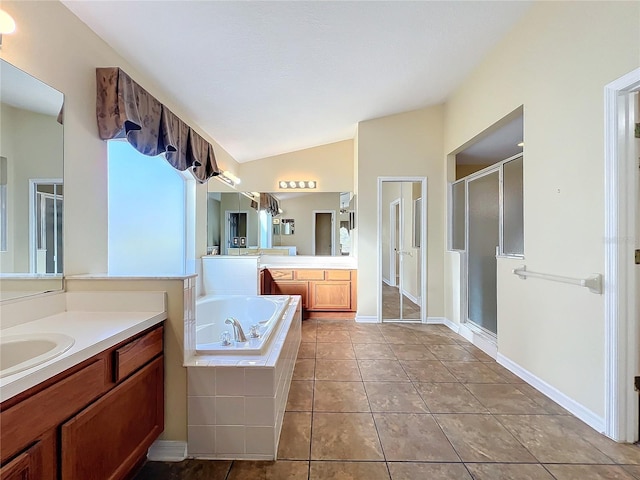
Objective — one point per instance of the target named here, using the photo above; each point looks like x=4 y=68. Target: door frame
x=393 y=242
x=621 y=322
x=333 y=231
x=33 y=182
x=227 y=224
x=423 y=244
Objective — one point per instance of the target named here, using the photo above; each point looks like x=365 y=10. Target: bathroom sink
x=20 y=352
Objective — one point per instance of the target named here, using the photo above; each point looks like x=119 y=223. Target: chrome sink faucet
x=238 y=333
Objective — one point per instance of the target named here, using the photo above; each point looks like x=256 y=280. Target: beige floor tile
x=504 y=399
x=449 y=398
x=541 y=399
x=327 y=324
x=367 y=337
x=345 y=436
x=348 y=471
x=248 y=470
x=622 y=453
x=340 y=397
x=363 y=327
x=304 y=369
x=307 y=350
x=373 y=351
x=428 y=471
x=338 y=370
x=295 y=438
x=476 y=352
x=309 y=332
x=427 y=371
x=300 y=397
x=504 y=373
x=412 y=352
x=394 y=397
x=553 y=438
x=403 y=337
x=335 y=351
x=333 y=336
x=481 y=438
x=506 y=471
x=382 y=371
x=435 y=338
x=589 y=472
x=452 y=353
x=473 y=372
x=413 y=437
x=633 y=470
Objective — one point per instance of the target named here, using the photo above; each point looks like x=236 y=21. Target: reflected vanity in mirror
x=31 y=186
x=306 y=223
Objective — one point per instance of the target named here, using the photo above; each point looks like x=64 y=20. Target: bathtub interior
x=211 y=312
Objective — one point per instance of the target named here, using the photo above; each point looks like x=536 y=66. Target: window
x=151 y=223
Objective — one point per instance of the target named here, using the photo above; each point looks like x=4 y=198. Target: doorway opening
x=323 y=232
x=402 y=254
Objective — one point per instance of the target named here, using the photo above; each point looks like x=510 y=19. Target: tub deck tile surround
x=235 y=407
x=458 y=426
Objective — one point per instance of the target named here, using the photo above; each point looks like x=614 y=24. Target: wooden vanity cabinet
x=93 y=421
x=324 y=292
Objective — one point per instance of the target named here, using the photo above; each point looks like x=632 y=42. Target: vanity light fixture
x=521 y=144
x=7 y=24
x=228 y=178
x=297 y=184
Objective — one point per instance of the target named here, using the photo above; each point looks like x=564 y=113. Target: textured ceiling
x=264 y=78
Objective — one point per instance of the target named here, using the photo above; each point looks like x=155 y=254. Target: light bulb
x=312 y=184
x=301 y=184
x=292 y=184
x=7 y=23
x=283 y=184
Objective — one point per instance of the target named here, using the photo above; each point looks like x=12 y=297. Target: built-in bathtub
x=261 y=312
x=237 y=394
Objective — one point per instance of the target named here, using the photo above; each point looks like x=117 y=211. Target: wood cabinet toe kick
x=93 y=421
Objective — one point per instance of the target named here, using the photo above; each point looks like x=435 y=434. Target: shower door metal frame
x=423 y=243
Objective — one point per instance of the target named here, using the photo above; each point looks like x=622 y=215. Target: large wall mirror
x=308 y=223
x=31 y=187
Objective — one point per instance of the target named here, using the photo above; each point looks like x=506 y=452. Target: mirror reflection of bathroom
x=305 y=223
x=401 y=251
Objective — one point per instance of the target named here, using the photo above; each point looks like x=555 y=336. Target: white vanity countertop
x=93 y=332
x=308 y=261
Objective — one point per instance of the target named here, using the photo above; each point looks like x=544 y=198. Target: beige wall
x=407 y=144
x=555 y=62
x=331 y=166
x=56 y=47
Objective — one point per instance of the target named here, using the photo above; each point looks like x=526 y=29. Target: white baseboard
x=484 y=343
x=444 y=321
x=366 y=319
x=388 y=282
x=167 y=451
x=411 y=297
x=583 y=413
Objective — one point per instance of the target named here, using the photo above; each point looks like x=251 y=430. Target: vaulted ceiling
x=264 y=77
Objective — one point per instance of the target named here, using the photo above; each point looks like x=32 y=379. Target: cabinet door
x=26 y=466
x=291 y=288
x=329 y=296
x=108 y=438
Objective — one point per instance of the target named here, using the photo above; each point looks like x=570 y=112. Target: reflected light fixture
x=7 y=24
x=521 y=144
x=297 y=184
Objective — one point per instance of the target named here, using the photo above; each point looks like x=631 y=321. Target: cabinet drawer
x=26 y=466
x=43 y=411
x=281 y=274
x=309 y=274
x=338 y=274
x=136 y=353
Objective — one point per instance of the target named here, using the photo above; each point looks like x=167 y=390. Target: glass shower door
x=483 y=204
